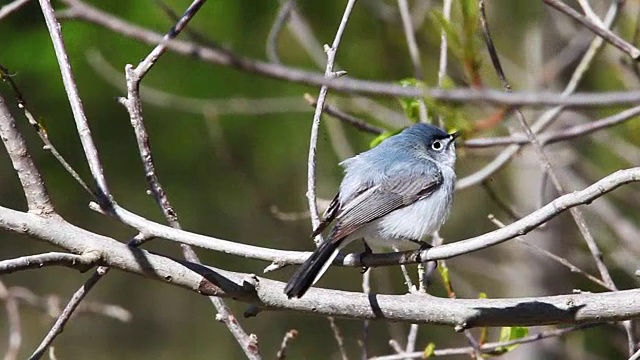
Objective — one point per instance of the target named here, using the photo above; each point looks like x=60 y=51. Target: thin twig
x=554 y=257
x=223 y=106
x=551 y=137
x=134 y=76
x=64 y=317
x=50 y=305
x=590 y=14
x=549 y=116
x=284 y=12
x=442 y=64
x=489 y=348
x=337 y=334
x=282 y=352
x=13 y=322
x=11 y=7
x=414 y=53
x=80 y=262
x=544 y=160
x=506 y=207
x=82 y=125
x=597 y=29
x=346 y=118
x=81 y=11
x=315 y=126
x=412 y=338
x=366 y=289
x=42 y=133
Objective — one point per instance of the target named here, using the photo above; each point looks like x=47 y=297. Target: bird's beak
x=452 y=138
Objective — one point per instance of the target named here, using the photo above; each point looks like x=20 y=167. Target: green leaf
x=429 y=350
x=509 y=333
x=444 y=274
x=411 y=106
x=378 y=139
x=484 y=331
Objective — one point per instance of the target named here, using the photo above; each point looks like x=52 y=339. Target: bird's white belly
x=413 y=222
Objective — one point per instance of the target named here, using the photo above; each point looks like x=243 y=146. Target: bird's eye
x=436 y=145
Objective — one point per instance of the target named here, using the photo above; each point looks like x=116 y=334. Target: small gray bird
x=396 y=193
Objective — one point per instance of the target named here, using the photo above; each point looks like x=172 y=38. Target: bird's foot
x=367 y=250
x=423 y=246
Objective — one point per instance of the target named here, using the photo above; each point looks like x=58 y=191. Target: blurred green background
x=225 y=172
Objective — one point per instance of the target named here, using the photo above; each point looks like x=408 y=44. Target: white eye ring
x=436 y=145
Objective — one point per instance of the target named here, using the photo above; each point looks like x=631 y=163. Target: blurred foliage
x=224 y=173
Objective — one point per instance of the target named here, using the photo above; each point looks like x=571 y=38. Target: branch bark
x=446 y=251
x=33 y=186
x=80 y=11
x=268 y=294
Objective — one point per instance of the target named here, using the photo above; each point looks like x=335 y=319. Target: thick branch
x=33 y=186
x=517 y=228
x=268 y=294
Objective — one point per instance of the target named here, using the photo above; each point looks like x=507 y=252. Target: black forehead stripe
x=441 y=136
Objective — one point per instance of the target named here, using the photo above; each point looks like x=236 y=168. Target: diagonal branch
x=35 y=191
x=132 y=102
x=315 y=126
x=82 y=125
x=597 y=29
x=9 y=8
x=64 y=317
x=550 y=115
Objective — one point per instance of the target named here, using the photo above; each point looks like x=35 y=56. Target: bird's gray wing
x=381 y=199
x=328 y=216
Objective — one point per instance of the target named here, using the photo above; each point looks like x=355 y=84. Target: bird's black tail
x=312 y=269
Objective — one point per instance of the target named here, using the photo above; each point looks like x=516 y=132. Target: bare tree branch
x=268 y=295
x=414 y=53
x=315 y=126
x=15 y=328
x=488 y=348
x=517 y=228
x=576 y=213
x=286 y=6
x=282 y=352
x=64 y=317
x=132 y=102
x=82 y=125
x=50 y=304
x=442 y=63
x=80 y=262
x=9 y=8
x=550 y=115
x=81 y=11
x=35 y=191
x=597 y=29
x=551 y=137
